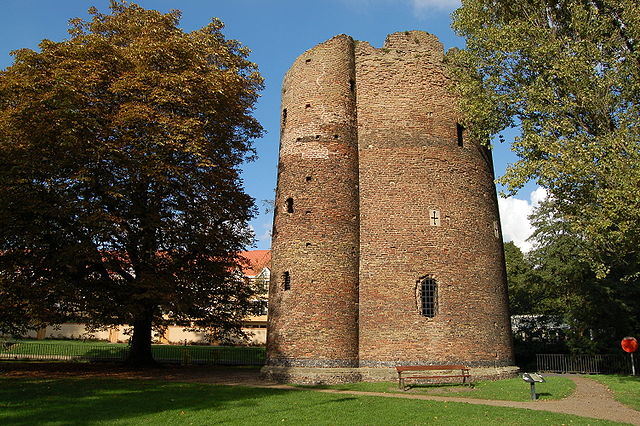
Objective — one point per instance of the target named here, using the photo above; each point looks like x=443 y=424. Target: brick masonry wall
x=314 y=323
x=369 y=147
x=410 y=163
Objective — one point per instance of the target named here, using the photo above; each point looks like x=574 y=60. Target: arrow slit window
x=460 y=134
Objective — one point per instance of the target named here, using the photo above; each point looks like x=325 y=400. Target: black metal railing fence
x=169 y=354
x=585 y=364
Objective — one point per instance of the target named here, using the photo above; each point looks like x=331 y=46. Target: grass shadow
x=439 y=387
x=513 y=389
x=128 y=401
x=32 y=401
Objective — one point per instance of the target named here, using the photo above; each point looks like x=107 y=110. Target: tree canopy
x=567 y=73
x=554 y=281
x=524 y=293
x=120 y=195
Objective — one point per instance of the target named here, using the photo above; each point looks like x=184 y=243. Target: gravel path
x=591 y=399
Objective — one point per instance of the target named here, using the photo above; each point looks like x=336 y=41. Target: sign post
x=630 y=345
x=532 y=378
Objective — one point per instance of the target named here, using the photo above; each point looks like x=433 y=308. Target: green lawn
x=626 y=389
x=96 y=350
x=64 y=348
x=130 y=402
x=509 y=389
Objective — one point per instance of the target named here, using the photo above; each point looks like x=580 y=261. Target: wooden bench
x=437 y=372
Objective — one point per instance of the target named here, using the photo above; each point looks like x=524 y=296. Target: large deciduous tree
x=553 y=286
x=599 y=310
x=120 y=195
x=567 y=72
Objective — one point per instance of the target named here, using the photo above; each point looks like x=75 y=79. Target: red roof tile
x=255 y=261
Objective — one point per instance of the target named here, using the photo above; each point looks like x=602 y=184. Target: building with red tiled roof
x=256 y=268
x=257 y=261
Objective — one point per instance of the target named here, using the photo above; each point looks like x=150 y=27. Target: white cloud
x=514 y=216
x=419 y=6
x=422 y=5
x=539 y=195
x=262 y=235
x=263 y=239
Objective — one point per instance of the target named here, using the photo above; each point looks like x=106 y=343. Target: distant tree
x=522 y=291
x=567 y=73
x=120 y=195
x=599 y=310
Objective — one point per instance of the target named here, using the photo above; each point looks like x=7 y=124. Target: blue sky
x=277 y=31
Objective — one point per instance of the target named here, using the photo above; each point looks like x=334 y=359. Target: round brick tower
x=432 y=285
x=386 y=242
x=313 y=296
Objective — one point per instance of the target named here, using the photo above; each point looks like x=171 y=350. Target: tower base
x=329 y=376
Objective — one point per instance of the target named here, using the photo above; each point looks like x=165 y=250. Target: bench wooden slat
x=434 y=377
x=430 y=367
x=408 y=369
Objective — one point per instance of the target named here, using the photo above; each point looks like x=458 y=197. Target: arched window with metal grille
x=428 y=296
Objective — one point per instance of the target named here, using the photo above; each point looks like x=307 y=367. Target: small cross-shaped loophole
x=434 y=218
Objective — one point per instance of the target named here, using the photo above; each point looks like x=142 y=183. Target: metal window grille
x=429 y=297
x=286 y=280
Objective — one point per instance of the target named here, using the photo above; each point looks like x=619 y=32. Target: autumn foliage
x=120 y=195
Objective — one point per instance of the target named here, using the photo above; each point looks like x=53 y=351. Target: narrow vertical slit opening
x=286 y=280
x=289 y=205
x=460 y=134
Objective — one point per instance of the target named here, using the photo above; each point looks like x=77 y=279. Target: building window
x=263 y=307
x=260 y=307
x=286 y=280
x=289 y=205
x=428 y=296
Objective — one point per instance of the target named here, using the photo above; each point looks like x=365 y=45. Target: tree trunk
x=140 y=351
